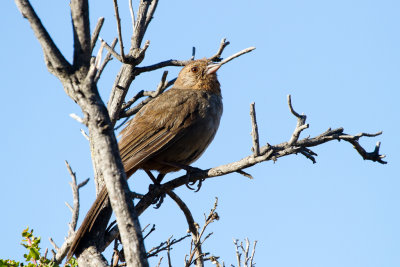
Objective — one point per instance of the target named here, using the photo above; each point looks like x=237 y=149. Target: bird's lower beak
x=212 y=68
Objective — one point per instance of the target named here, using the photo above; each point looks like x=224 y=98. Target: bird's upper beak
x=212 y=68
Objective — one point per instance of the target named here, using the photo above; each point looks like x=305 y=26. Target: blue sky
x=338 y=59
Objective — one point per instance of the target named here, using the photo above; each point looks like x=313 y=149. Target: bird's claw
x=189 y=171
x=158 y=200
x=188 y=185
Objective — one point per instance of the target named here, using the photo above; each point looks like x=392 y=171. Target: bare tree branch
x=107 y=59
x=254 y=131
x=166 y=63
x=217 y=56
x=150 y=12
x=267 y=153
x=159 y=262
x=95 y=34
x=111 y=50
x=62 y=251
x=192 y=227
x=238 y=54
x=81 y=29
x=121 y=43
x=196 y=243
x=164 y=246
x=248 y=260
x=162 y=86
x=132 y=15
x=140 y=25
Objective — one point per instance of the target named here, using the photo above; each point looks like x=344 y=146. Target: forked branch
x=267 y=153
x=61 y=252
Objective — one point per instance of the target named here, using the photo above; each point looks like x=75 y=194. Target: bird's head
x=199 y=74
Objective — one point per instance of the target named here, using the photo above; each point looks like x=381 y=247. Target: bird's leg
x=189 y=171
x=160 y=199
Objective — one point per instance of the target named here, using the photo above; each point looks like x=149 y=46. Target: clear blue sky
x=338 y=59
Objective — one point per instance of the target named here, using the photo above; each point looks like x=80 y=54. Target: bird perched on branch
x=169 y=133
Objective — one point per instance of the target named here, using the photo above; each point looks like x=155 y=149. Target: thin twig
x=238 y=254
x=111 y=50
x=192 y=226
x=164 y=246
x=121 y=43
x=62 y=251
x=245 y=174
x=54 y=244
x=217 y=56
x=254 y=131
x=84 y=134
x=162 y=86
x=159 y=262
x=150 y=12
x=107 y=59
x=77 y=118
x=301 y=120
x=169 y=253
x=238 y=54
x=98 y=57
x=132 y=14
x=96 y=32
x=153 y=228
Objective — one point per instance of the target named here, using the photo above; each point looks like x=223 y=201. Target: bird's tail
x=89 y=221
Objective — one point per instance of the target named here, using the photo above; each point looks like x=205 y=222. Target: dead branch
x=61 y=252
x=192 y=228
x=196 y=255
x=267 y=153
x=96 y=32
x=164 y=246
x=248 y=261
x=254 y=131
x=121 y=43
x=217 y=56
x=107 y=59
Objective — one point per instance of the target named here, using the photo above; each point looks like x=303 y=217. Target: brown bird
x=170 y=132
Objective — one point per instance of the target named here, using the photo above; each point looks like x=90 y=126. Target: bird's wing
x=161 y=123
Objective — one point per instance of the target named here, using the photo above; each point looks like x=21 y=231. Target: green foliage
x=33 y=258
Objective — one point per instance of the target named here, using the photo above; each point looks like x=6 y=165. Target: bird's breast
x=197 y=130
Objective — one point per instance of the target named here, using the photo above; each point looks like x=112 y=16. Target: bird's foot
x=189 y=172
x=158 y=200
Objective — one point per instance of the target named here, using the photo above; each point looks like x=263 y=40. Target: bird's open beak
x=212 y=68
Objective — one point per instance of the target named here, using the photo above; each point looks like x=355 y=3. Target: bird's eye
x=194 y=69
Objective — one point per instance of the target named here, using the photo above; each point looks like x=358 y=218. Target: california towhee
x=170 y=132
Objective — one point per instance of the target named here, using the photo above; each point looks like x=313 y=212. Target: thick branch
x=140 y=25
x=81 y=29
